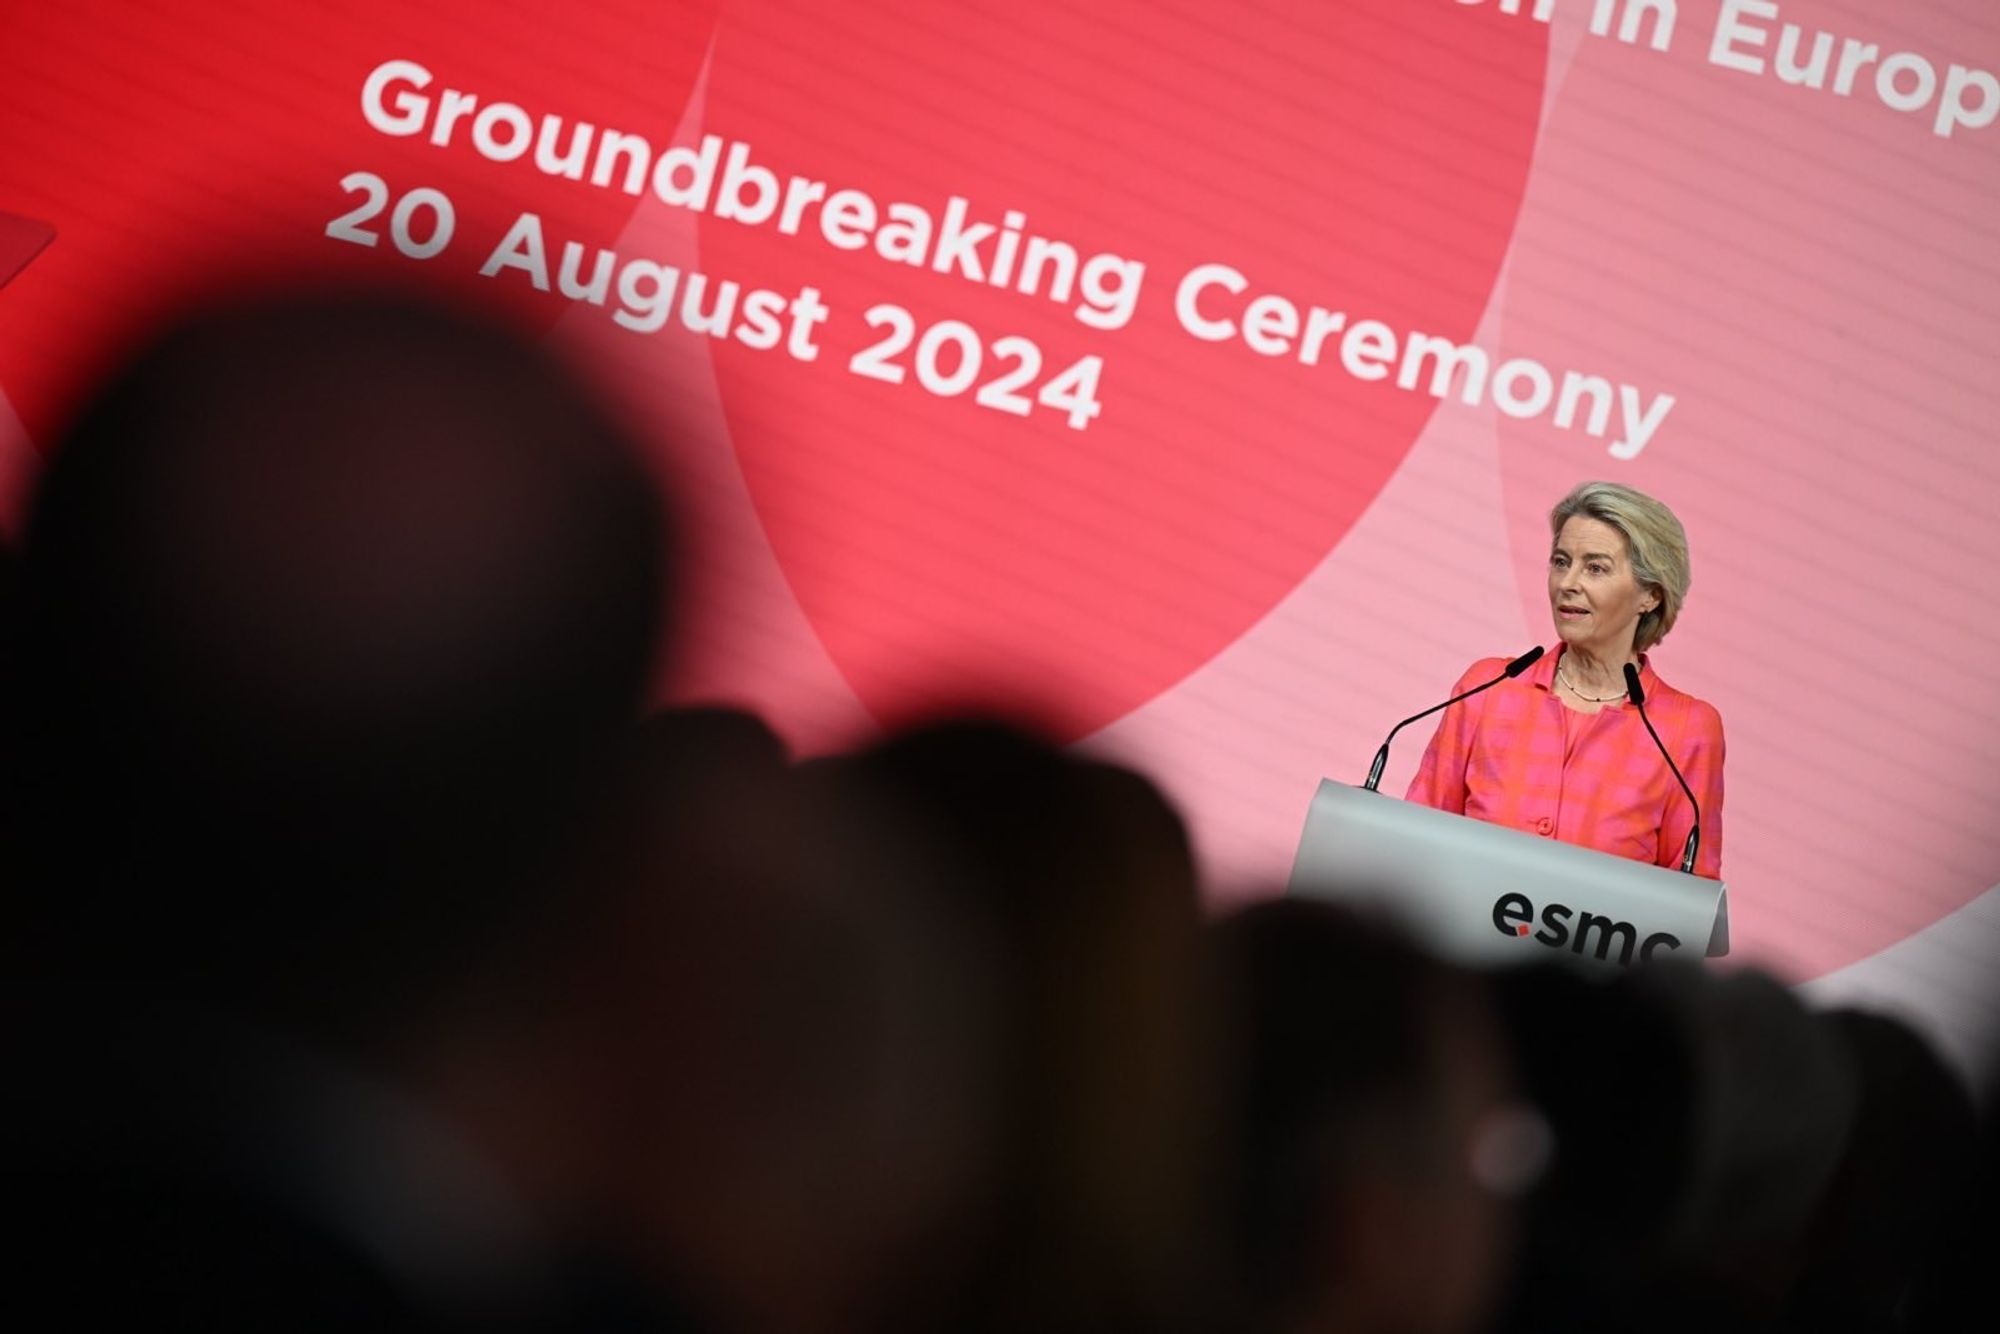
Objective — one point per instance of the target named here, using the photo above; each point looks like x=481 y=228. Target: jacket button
x=1545 y=825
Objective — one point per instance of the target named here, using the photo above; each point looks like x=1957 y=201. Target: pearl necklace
x=1594 y=699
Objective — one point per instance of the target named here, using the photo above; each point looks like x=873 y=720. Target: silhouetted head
x=1079 y=872
x=804 y=1024
x=1614 y=1073
x=1381 y=1140
x=1773 y=1096
x=1900 y=1195
x=330 y=607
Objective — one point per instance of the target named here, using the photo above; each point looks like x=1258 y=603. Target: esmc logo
x=1514 y=915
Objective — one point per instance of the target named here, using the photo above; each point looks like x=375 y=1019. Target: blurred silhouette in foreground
x=1614 y=1075
x=819 y=1015
x=1383 y=1143
x=1094 y=1208
x=1882 y=1244
x=332 y=610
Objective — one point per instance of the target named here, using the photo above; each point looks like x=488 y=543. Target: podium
x=1482 y=894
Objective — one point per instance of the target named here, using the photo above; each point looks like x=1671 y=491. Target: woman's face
x=1593 y=597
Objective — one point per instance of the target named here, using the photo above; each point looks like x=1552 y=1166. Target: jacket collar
x=1543 y=674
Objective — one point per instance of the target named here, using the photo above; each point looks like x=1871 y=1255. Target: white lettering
x=1187 y=297
x=453 y=107
x=799 y=192
x=760 y=328
x=1367 y=348
x=636 y=151
x=807 y=311
x=958 y=245
x=596 y=287
x=699 y=166
x=1541 y=388
x=1639 y=426
x=645 y=295
x=410 y=108
x=521 y=248
x=1730 y=30
x=520 y=132
x=1320 y=325
x=738 y=173
x=1575 y=387
x=906 y=237
x=1812 y=74
x=1954 y=111
x=1664 y=14
x=1452 y=359
x=1269 y=325
x=1110 y=288
x=1887 y=85
x=847 y=219
x=1854 y=57
x=570 y=164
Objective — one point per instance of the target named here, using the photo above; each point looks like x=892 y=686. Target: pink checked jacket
x=1516 y=755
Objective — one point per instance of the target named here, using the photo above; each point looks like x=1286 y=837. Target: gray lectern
x=1483 y=894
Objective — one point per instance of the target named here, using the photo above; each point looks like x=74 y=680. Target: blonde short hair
x=1654 y=540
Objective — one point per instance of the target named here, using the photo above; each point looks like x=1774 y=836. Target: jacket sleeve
x=1700 y=755
x=1440 y=780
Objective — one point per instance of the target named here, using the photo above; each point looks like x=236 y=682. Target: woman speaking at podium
x=1558 y=751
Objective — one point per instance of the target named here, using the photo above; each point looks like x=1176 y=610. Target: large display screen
x=1196 y=376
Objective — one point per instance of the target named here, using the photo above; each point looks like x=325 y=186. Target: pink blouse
x=1516 y=755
